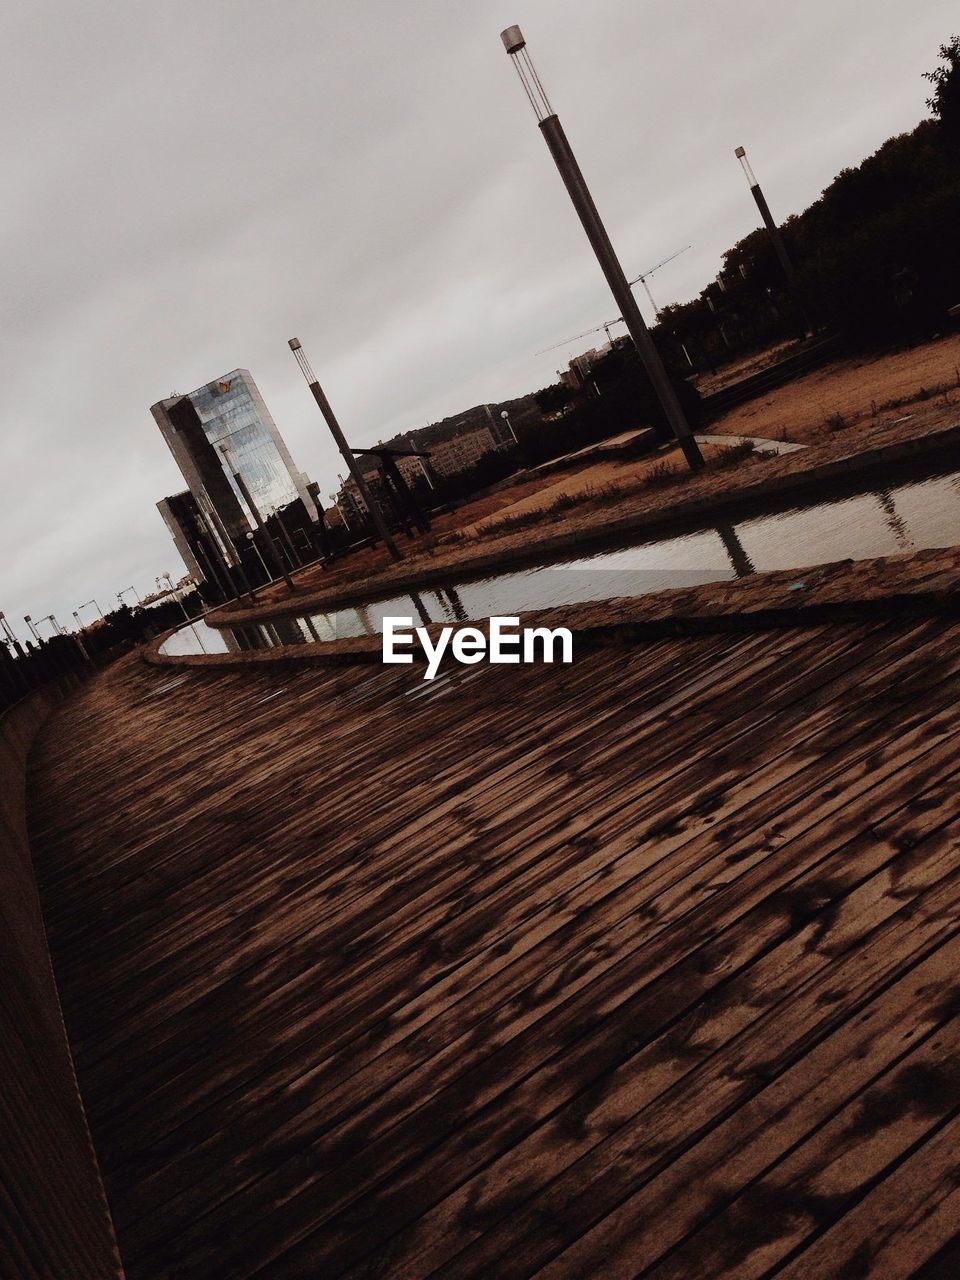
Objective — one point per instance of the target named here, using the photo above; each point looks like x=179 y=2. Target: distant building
x=231 y=412
x=179 y=513
x=579 y=372
x=202 y=549
x=460 y=452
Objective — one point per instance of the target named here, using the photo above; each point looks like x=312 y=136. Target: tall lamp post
x=11 y=636
x=57 y=629
x=776 y=238
x=579 y=193
x=345 y=450
x=258 y=519
x=171 y=590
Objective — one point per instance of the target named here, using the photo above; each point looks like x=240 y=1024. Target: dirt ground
x=603 y=480
x=853 y=395
x=707 y=383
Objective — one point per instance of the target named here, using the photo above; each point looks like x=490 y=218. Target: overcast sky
x=188 y=185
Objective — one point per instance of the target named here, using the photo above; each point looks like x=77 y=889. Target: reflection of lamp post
x=335 y=430
x=579 y=193
x=742 y=564
x=773 y=231
x=895 y=521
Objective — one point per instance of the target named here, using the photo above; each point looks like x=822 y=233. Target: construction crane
x=644 y=276
x=606 y=326
x=586 y=334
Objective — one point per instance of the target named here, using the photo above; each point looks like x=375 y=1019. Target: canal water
x=887 y=521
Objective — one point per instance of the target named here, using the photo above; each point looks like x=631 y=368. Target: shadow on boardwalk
x=648 y=965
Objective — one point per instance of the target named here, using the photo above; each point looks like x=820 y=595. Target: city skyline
x=387 y=197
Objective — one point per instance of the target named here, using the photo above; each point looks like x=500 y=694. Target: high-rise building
x=231 y=412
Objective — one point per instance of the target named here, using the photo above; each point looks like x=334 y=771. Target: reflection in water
x=742 y=565
x=921 y=514
x=425 y=617
x=895 y=522
x=456 y=604
x=363 y=614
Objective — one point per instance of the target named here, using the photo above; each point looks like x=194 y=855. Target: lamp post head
x=741 y=154
x=516 y=47
x=301 y=358
x=512 y=39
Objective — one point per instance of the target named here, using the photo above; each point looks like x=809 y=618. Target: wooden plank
x=382 y=1144
x=441 y=1037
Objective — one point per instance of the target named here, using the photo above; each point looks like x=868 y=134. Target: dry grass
x=855 y=396
x=627 y=480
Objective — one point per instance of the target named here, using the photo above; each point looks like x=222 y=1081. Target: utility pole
x=341 y=441
x=258 y=519
x=579 y=193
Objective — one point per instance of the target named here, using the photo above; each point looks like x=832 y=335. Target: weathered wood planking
x=577 y=972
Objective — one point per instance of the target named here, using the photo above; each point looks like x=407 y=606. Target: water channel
x=884 y=521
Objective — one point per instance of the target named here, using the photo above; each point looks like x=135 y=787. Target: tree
x=945 y=102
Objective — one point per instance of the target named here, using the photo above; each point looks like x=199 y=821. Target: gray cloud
x=190 y=185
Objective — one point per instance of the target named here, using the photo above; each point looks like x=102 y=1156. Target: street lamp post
x=57 y=629
x=11 y=636
x=171 y=589
x=258 y=519
x=78 y=636
x=424 y=469
x=336 y=503
x=33 y=630
x=341 y=441
x=506 y=418
x=776 y=238
x=263 y=564
x=121 y=594
x=222 y=544
x=579 y=193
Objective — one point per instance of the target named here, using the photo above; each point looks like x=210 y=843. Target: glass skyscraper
x=231 y=412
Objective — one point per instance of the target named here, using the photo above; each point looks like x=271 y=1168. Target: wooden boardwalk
x=645 y=967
